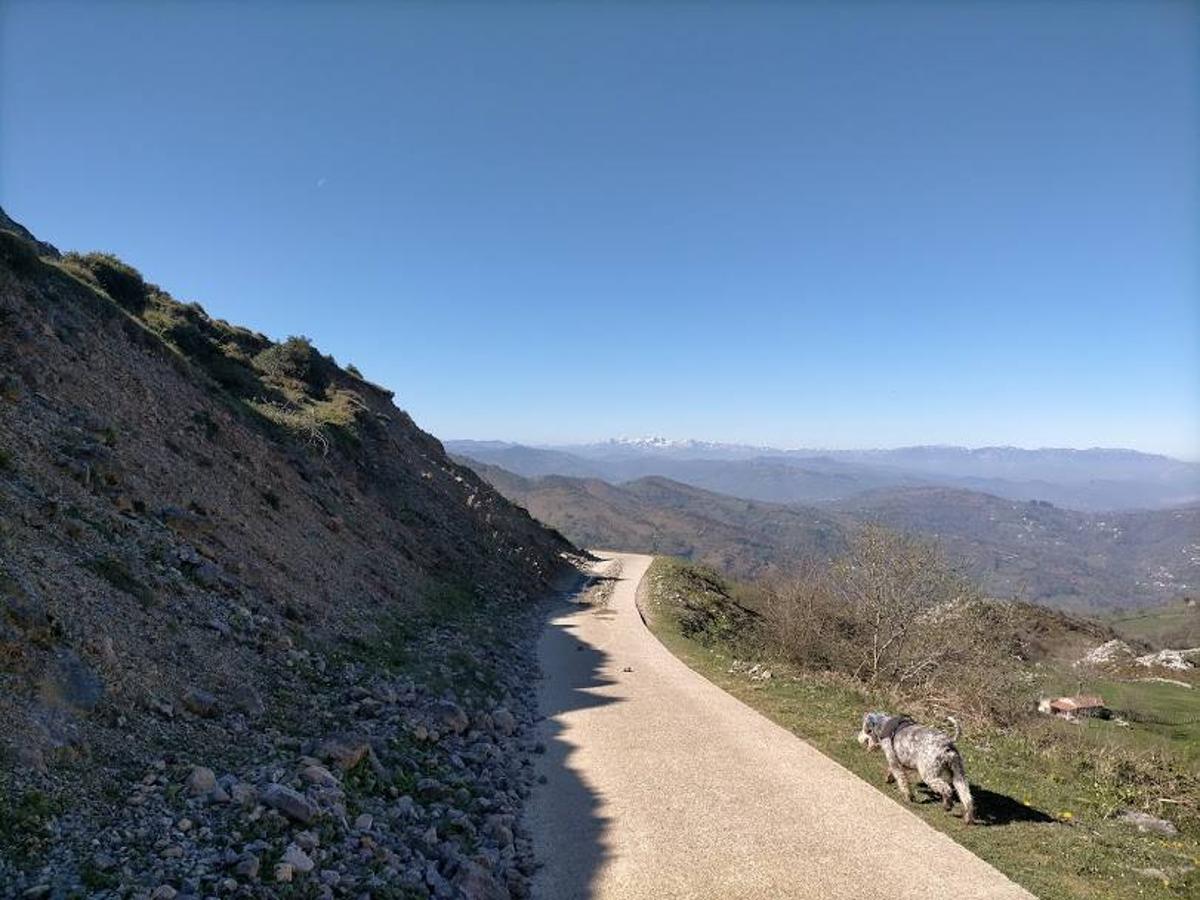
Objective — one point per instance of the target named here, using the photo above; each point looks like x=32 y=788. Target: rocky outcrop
x=1110 y=653
x=1179 y=660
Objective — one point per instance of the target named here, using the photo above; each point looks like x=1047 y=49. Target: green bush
x=189 y=337
x=120 y=280
x=236 y=377
x=198 y=337
x=298 y=360
x=17 y=253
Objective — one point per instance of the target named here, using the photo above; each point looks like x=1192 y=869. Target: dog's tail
x=958 y=778
x=957 y=728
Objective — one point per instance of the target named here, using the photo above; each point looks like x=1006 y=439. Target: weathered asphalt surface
x=661 y=785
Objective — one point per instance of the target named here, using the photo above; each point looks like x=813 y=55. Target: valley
x=1030 y=550
x=256 y=621
x=1096 y=480
x=599 y=451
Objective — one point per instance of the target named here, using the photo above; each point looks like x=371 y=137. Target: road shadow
x=563 y=814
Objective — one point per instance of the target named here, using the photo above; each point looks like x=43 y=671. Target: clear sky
x=794 y=224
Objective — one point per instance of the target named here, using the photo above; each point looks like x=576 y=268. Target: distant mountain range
x=1028 y=549
x=1089 y=480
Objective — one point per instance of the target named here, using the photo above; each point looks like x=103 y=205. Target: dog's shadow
x=993 y=808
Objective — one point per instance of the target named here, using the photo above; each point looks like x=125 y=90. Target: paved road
x=660 y=785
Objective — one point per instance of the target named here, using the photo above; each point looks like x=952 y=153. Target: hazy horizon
x=817 y=448
x=787 y=225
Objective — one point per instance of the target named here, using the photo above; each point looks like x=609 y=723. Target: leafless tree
x=894 y=614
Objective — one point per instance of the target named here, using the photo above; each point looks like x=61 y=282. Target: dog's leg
x=942 y=788
x=895 y=768
x=962 y=787
x=934 y=773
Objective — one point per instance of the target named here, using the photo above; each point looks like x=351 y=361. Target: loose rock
x=201 y=780
x=289 y=802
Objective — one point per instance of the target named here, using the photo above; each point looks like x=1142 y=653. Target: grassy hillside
x=1175 y=625
x=1049 y=793
x=1047 y=554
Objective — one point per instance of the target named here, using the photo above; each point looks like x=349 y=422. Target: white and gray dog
x=907 y=745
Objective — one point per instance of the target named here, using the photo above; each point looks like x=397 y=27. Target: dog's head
x=868 y=735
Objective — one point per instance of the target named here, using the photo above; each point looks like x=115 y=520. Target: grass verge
x=1047 y=792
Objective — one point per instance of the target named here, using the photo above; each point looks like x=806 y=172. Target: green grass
x=1052 y=786
x=1176 y=625
x=1163 y=718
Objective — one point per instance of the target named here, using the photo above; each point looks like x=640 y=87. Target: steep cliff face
x=196 y=523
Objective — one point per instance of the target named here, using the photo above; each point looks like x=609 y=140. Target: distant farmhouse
x=1081 y=707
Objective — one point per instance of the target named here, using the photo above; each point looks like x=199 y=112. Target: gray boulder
x=291 y=803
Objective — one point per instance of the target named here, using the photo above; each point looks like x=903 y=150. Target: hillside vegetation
x=1173 y=625
x=1041 y=552
x=1057 y=801
x=248 y=611
x=1030 y=550
x=656 y=515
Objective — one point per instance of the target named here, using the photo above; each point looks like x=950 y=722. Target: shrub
x=198 y=337
x=233 y=375
x=892 y=614
x=119 y=280
x=317 y=423
x=295 y=359
x=189 y=337
x=17 y=253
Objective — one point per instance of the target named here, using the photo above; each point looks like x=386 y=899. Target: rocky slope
x=257 y=633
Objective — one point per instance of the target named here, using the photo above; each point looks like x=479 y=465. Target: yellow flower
x=1066 y=814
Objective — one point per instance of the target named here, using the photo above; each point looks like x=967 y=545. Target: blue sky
x=835 y=225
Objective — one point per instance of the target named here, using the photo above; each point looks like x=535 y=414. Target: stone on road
x=658 y=784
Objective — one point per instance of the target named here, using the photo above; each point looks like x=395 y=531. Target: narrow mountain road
x=661 y=785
